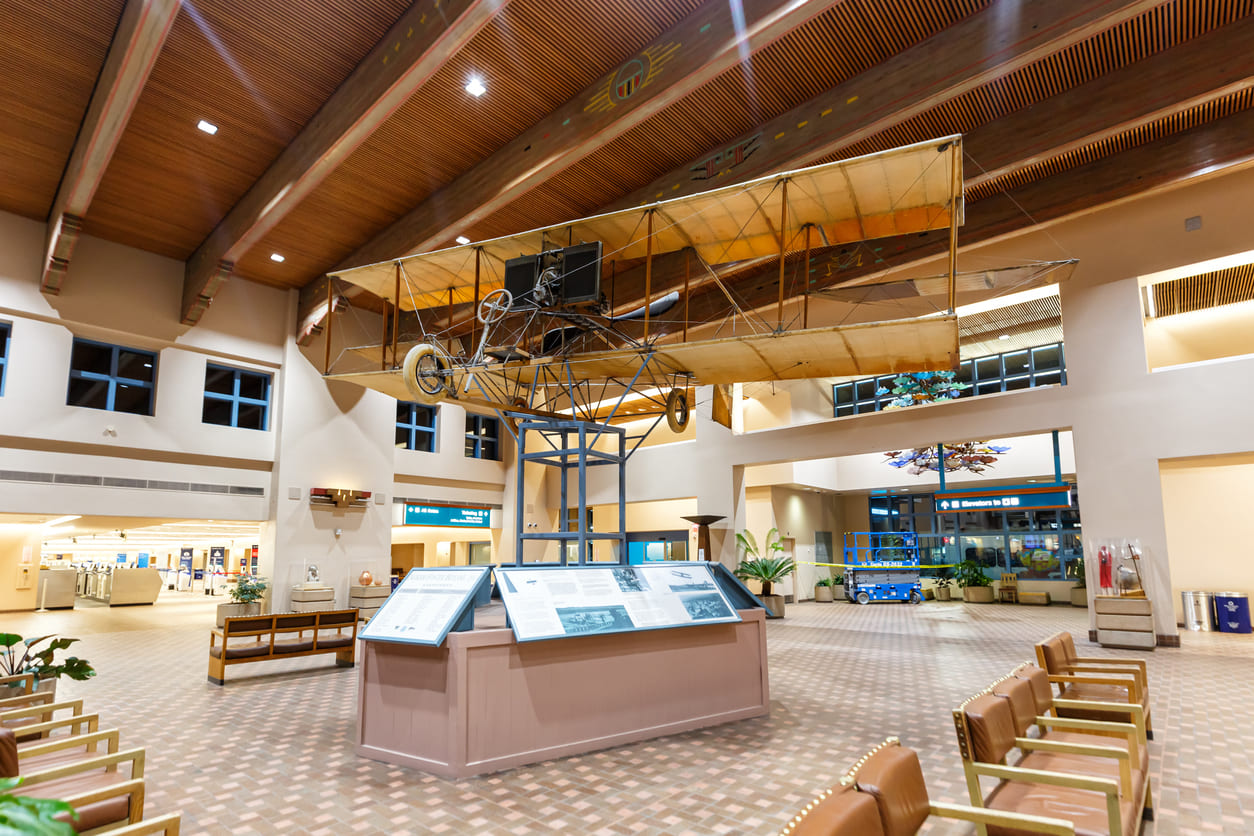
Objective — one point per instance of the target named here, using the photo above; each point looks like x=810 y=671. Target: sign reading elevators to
x=1005 y=498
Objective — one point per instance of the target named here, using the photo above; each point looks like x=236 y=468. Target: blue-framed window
x=5 y=330
x=1042 y=365
x=483 y=436
x=236 y=398
x=112 y=377
x=415 y=427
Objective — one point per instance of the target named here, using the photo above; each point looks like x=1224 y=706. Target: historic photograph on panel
x=705 y=607
x=609 y=619
x=682 y=580
x=629 y=580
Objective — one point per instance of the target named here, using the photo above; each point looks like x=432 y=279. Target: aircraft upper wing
x=890 y=193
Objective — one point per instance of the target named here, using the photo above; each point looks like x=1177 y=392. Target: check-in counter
x=56 y=588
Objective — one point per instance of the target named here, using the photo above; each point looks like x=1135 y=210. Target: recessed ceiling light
x=207 y=127
x=475 y=86
x=462 y=239
x=1004 y=337
x=277 y=258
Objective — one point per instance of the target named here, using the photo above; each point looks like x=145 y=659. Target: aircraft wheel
x=916 y=597
x=426 y=373
x=863 y=598
x=494 y=306
x=677 y=414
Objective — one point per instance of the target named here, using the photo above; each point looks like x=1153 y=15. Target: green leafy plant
x=829 y=581
x=1075 y=570
x=248 y=589
x=40 y=662
x=765 y=570
x=22 y=815
x=971 y=573
x=839 y=580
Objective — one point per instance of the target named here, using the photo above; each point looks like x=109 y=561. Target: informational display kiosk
x=594 y=656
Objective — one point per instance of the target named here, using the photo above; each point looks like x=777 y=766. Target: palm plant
x=765 y=565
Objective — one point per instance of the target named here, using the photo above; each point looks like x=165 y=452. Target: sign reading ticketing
x=447 y=515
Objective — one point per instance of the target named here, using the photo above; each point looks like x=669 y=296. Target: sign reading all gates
x=447 y=515
x=1006 y=497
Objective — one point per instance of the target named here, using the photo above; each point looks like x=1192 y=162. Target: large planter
x=823 y=594
x=943 y=593
x=838 y=592
x=775 y=603
x=226 y=611
x=1079 y=596
x=978 y=594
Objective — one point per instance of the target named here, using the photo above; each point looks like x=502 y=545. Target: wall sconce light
x=339 y=497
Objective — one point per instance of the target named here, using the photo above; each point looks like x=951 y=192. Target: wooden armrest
x=111 y=736
x=77 y=724
x=1101 y=660
x=1018 y=821
x=27 y=688
x=1135 y=710
x=39 y=710
x=1109 y=670
x=1107 y=786
x=1087 y=749
x=109 y=762
x=134 y=788
x=1134 y=693
x=167 y=825
x=1131 y=733
x=37 y=698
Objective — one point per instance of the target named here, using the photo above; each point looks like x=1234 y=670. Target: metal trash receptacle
x=1198 y=614
x=1232 y=612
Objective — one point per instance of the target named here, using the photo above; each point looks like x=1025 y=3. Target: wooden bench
x=1038 y=598
x=282 y=636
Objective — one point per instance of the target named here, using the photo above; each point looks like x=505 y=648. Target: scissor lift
x=882 y=566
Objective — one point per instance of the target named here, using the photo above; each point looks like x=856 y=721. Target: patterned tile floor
x=272 y=751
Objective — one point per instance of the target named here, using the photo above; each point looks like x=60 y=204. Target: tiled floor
x=272 y=752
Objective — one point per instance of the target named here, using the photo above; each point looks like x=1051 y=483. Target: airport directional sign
x=1005 y=498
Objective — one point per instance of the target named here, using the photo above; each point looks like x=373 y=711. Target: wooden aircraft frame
x=581 y=361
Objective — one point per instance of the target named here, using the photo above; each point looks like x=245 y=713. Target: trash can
x=1232 y=612
x=1197 y=610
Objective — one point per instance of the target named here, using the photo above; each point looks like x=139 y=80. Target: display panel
x=447 y=515
x=427 y=604
x=560 y=602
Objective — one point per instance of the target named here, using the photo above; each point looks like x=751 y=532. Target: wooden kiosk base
x=483 y=702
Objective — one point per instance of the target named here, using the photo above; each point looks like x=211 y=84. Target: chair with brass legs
x=1094 y=787
x=884 y=794
x=1094 y=679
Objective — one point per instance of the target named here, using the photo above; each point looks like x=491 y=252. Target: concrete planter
x=775 y=603
x=234 y=610
x=823 y=594
x=943 y=593
x=1079 y=596
x=978 y=594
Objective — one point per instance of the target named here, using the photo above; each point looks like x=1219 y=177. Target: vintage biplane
x=620 y=316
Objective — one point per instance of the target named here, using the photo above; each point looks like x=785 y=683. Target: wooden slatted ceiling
x=258 y=69
x=535 y=56
x=1186 y=119
x=52 y=55
x=1208 y=290
x=837 y=45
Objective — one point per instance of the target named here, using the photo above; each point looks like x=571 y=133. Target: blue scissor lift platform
x=882 y=566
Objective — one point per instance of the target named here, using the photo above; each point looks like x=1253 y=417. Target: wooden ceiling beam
x=692 y=53
x=1163 y=163
x=1200 y=71
x=413 y=50
x=141 y=32
x=1000 y=39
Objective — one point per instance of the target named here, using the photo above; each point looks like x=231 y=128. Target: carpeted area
x=272 y=751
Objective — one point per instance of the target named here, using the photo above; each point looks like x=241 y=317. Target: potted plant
x=246 y=596
x=823 y=590
x=1079 y=592
x=37 y=816
x=976 y=586
x=944 y=584
x=41 y=662
x=766 y=566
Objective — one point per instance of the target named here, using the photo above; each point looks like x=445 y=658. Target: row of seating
x=62 y=754
x=1071 y=762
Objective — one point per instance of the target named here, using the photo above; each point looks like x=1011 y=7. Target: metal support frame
x=559 y=452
